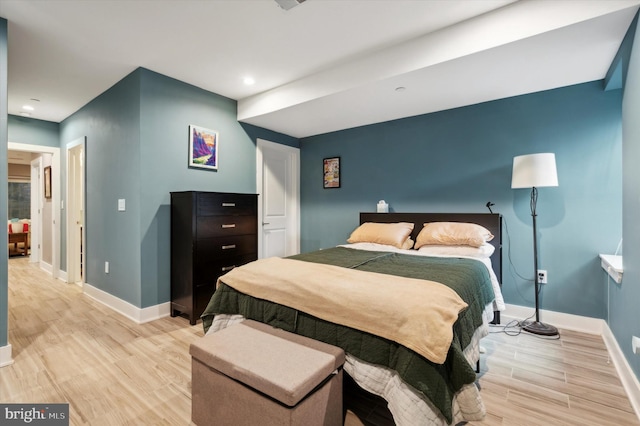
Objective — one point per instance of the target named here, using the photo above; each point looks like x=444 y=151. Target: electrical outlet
x=542 y=276
x=635 y=344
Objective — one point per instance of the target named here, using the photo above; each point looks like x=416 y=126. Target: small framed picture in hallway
x=47 y=182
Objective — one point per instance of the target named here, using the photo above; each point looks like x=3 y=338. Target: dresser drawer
x=220 y=204
x=222 y=226
x=207 y=270
x=225 y=247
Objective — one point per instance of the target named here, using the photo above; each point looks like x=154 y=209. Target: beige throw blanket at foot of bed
x=418 y=314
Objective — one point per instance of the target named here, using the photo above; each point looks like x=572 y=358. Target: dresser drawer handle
x=228 y=268
x=227 y=247
x=228 y=204
x=228 y=225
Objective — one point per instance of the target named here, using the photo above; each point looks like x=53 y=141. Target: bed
x=386 y=347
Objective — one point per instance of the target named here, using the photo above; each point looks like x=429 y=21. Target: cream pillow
x=453 y=234
x=392 y=234
x=408 y=244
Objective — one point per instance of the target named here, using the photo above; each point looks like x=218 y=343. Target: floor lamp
x=535 y=171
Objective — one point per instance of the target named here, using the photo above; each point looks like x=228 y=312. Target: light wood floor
x=112 y=371
x=527 y=380
x=69 y=348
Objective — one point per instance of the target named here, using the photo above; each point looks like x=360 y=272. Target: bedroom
x=572 y=121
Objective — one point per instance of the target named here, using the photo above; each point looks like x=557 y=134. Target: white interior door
x=278 y=174
x=36 y=210
x=75 y=212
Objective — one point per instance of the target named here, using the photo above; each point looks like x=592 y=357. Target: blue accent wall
x=33 y=132
x=110 y=123
x=457 y=160
x=137 y=149
x=624 y=314
x=168 y=107
x=256 y=133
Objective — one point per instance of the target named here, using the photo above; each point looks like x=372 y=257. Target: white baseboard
x=557 y=319
x=627 y=377
x=152 y=313
x=135 y=314
x=5 y=355
x=47 y=267
x=590 y=326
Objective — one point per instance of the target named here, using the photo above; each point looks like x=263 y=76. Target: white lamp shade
x=534 y=170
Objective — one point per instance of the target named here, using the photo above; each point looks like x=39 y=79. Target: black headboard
x=491 y=221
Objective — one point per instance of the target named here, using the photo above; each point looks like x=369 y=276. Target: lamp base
x=540 y=328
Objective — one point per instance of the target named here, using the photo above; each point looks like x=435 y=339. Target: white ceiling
x=322 y=66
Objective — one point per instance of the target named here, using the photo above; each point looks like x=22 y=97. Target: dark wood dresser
x=211 y=233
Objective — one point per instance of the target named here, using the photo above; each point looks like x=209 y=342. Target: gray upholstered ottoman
x=253 y=374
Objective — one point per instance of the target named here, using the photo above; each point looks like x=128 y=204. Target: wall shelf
x=613 y=265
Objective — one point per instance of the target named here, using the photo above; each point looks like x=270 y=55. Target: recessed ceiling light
x=27 y=107
x=249 y=81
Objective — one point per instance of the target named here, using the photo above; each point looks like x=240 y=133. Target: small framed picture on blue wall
x=203 y=148
x=331 y=171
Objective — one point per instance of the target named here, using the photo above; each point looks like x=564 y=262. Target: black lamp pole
x=537 y=327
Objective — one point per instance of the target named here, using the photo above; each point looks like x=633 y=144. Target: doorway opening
x=44 y=227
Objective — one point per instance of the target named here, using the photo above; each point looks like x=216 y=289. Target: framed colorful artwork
x=331 y=171
x=203 y=148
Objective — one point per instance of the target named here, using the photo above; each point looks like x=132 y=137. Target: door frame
x=73 y=249
x=55 y=196
x=293 y=212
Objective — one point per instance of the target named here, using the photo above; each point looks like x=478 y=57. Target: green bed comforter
x=438 y=382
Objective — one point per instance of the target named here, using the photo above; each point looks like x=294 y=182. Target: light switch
x=121 y=205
